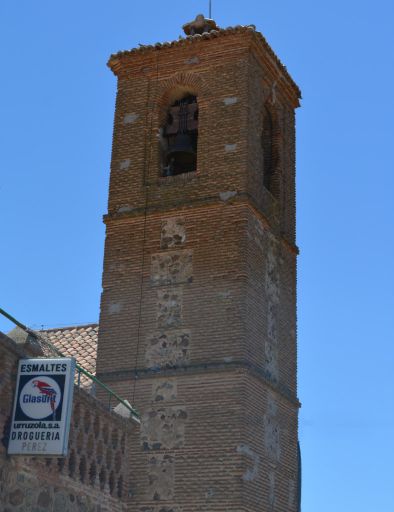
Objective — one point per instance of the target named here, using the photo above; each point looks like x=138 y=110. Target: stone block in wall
x=169 y=307
x=272 y=270
x=272 y=289
x=271 y=359
x=164 y=390
x=173 y=233
x=271 y=489
x=272 y=316
x=163 y=428
x=256 y=232
x=168 y=349
x=173 y=267
x=272 y=430
x=160 y=477
x=252 y=465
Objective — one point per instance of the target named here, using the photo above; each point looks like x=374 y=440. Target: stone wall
x=93 y=477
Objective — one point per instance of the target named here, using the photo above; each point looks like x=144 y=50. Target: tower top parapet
x=200 y=31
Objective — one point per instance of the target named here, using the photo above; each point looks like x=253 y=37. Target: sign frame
x=41 y=415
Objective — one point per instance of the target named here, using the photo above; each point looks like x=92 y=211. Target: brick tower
x=198 y=311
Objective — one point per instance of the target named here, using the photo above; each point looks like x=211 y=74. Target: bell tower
x=198 y=310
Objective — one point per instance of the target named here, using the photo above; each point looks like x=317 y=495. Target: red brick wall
x=199 y=281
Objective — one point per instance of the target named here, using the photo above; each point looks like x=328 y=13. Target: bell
x=182 y=144
x=181 y=156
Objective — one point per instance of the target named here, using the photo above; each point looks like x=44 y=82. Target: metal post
x=210 y=9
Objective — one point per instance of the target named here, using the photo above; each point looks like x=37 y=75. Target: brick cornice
x=202 y=368
x=242 y=198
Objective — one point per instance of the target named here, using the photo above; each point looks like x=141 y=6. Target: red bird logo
x=45 y=389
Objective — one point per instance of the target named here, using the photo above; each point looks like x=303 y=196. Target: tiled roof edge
x=69 y=327
x=114 y=58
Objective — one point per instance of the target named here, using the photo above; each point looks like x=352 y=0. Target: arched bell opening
x=270 y=154
x=179 y=137
x=266 y=143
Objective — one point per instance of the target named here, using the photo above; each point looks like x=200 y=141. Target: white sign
x=42 y=407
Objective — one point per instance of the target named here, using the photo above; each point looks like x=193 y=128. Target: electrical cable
x=146 y=185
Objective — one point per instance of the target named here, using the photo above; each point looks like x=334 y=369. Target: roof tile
x=76 y=341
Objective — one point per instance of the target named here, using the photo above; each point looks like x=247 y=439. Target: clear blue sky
x=57 y=101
